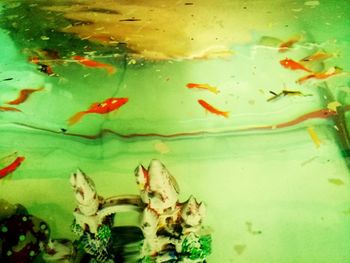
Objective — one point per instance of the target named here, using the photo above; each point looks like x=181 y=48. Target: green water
x=271 y=194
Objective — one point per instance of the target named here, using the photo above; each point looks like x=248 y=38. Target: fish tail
x=226 y=114
x=76 y=117
x=111 y=70
x=40 y=89
x=308 y=70
x=305 y=78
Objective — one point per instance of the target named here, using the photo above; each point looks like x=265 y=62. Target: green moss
x=196 y=247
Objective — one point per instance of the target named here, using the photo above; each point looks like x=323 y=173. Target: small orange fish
x=107 y=106
x=293 y=65
x=9 y=109
x=11 y=167
x=23 y=96
x=203 y=86
x=321 y=75
x=284 y=46
x=94 y=64
x=319 y=55
x=211 y=109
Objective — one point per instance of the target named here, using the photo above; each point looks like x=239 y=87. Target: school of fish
x=45 y=59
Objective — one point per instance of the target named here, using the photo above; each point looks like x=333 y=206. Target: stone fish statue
x=172 y=230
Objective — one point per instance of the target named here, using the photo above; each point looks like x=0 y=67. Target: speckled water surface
x=274 y=173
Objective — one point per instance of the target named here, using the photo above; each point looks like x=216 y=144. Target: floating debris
x=286 y=93
x=240 y=248
x=250 y=229
x=309 y=161
x=333 y=105
x=45 y=38
x=8 y=79
x=336 y=181
x=314 y=136
x=132 y=61
x=161 y=147
x=129 y=20
x=312 y=3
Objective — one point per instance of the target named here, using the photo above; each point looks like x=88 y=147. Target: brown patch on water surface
x=161 y=29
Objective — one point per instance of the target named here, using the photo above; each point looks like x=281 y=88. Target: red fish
x=9 y=109
x=23 y=96
x=94 y=64
x=11 y=167
x=321 y=75
x=293 y=65
x=211 y=109
x=107 y=106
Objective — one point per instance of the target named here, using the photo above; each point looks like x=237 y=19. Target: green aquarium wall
x=175 y=131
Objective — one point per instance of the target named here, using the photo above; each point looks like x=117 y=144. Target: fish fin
x=76 y=117
x=40 y=89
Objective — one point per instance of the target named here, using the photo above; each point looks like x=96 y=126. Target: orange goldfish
x=94 y=64
x=107 y=106
x=293 y=65
x=203 y=86
x=11 y=167
x=9 y=109
x=23 y=96
x=284 y=46
x=321 y=75
x=211 y=109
